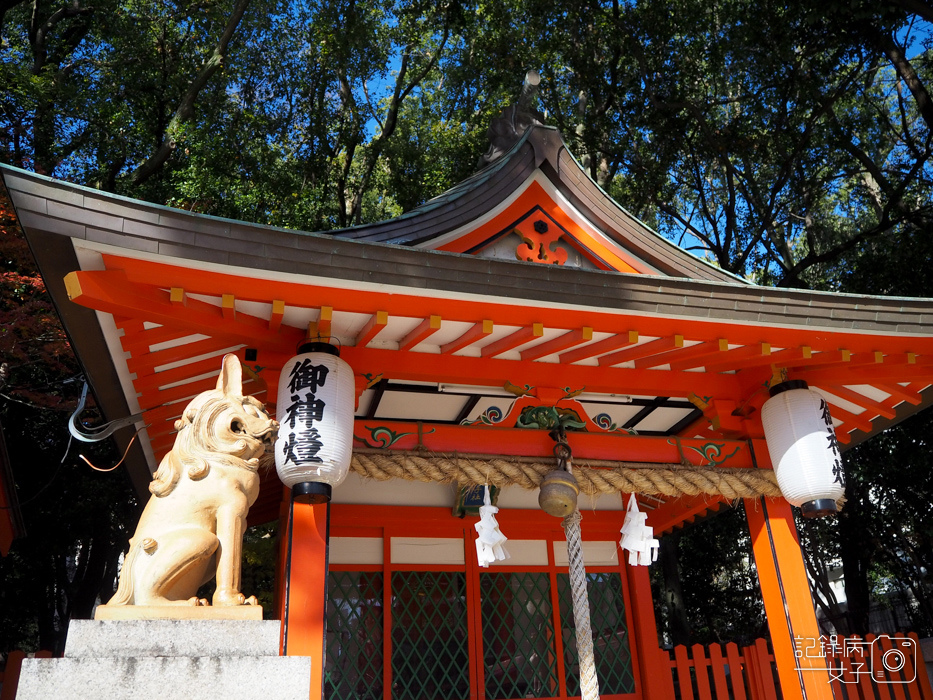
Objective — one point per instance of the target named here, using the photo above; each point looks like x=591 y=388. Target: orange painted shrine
x=523 y=287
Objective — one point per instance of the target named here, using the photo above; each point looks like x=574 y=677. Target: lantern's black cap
x=787 y=386
x=318 y=346
x=311 y=492
x=819 y=508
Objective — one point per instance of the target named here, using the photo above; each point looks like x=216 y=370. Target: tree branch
x=186 y=108
x=907 y=73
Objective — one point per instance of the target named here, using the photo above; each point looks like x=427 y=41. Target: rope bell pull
x=559 y=489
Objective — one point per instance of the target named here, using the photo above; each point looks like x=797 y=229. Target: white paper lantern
x=803 y=447
x=315 y=408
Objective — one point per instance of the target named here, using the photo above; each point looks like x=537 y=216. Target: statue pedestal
x=169 y=660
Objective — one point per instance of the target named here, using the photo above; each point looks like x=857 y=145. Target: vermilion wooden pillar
x=654 y=673
x=788 y=603
x=303 y=598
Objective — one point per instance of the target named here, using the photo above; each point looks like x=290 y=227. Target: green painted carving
x=711 y=452
x=490 y=416
x=605 y=422
x=384 y=437
x=549 y=417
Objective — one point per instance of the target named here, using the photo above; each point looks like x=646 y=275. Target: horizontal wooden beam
x=457 y=369
x=492 y=440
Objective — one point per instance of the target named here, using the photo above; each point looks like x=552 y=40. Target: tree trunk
x=673 y=594
x=856 y=551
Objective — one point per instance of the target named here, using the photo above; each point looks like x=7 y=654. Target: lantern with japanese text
x=803 y=447
x=316 y=401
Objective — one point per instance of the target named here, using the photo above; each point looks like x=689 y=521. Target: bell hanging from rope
x=558 y=495
x=559 y=490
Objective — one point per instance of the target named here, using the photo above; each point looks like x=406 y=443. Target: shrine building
x=522 y=299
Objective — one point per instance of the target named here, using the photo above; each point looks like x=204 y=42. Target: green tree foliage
x=882 y=539
x=712 y=574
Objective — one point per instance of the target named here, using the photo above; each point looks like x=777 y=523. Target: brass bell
x=558 y=495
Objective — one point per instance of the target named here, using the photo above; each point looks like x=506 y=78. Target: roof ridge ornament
x=512 y=122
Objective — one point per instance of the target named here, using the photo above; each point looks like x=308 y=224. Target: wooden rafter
x=605 y=345
x=110 y=291
x=878 y=375
x=147 y=362
x=860 y=421
x=513 y=340
x=674 y=511
x=324 y=320
x=901 y=393
x=644 y=350
x=376 y=323
x=790 y=357
x=561 y=342
x=276 y=316
x=858 y=399
x=140 y=340
x=134 y=297
x=827 y=358
x=699 y=352
x=419 y=333
x=151 y=382
x=752 y=355
x=147 y=273
x=476 y=332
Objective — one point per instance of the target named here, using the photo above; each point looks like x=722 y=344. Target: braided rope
x=607 y=477
x=589 y=684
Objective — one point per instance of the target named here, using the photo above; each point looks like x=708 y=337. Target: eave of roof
x=67 y=211
x=58 y=216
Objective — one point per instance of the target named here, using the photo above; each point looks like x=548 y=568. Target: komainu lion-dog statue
x=192 y=528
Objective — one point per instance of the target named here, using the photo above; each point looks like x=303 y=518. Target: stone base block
x=93 y=639
x=169 y=660
x=167 y=678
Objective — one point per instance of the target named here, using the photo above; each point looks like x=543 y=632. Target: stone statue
x=192 y=527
